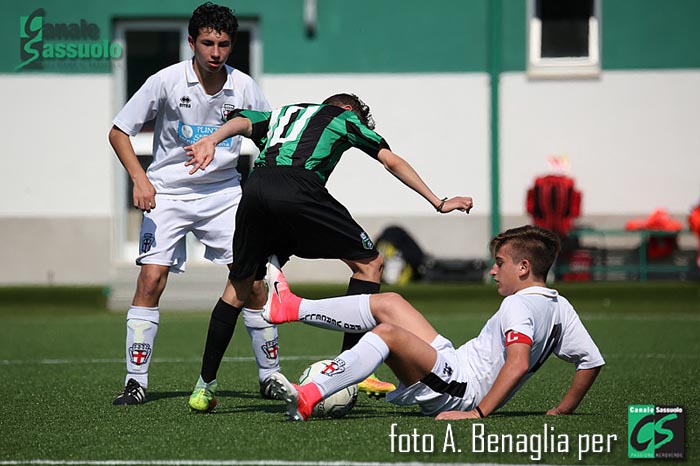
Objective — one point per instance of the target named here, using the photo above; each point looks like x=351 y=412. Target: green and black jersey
x=311 y=136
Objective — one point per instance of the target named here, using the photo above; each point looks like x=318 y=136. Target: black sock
x=358 y=287
x=221 y=326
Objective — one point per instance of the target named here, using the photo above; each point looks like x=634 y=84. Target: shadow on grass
x=272 y=406
x=379 y=412
x=261 y=408
x=279 y=408
x=269 y=406
x=532 y=413
x=153 y=396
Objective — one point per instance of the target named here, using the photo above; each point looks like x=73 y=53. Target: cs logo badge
x=655 y=431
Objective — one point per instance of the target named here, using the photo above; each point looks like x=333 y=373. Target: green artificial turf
x=61 y=356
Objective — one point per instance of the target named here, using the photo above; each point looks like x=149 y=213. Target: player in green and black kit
x=286 y=210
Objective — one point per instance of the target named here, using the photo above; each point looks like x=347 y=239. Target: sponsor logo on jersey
x=270 y=349
x=147 y=240
x=366 y=242
x=185 y=102
x=226 y=111
x=193 y=133
x=139 y=353
x=337 y=366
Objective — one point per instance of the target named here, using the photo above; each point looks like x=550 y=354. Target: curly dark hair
x=359 y=108
x=211 y=16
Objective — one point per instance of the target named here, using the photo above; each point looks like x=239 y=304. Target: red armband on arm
x=516 y=337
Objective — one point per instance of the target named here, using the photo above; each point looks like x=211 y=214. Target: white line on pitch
x=230 y=463
x=48 y=362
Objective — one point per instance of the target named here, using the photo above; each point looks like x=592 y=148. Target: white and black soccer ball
x=338 y=404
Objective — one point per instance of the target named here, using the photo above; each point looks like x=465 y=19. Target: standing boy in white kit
x=188 y=100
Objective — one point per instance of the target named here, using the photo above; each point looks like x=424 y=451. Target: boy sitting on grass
x=468 y=382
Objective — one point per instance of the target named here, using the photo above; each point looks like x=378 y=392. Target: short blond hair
x=538 y=245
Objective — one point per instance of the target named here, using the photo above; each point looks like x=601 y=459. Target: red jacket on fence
x=554 y=203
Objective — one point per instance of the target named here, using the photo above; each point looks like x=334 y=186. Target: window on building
x=147 y=52
x=564 y=38
x=149 y=46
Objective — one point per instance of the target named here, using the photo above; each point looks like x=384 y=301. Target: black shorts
x=287 y=211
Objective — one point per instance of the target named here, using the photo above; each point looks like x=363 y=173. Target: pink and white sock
x=350 y=314
x=353 y=365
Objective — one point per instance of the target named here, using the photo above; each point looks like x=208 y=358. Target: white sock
x=353 y=365
x=349 y=314
x=202 y=384
x=263 y=338
x=141 y=331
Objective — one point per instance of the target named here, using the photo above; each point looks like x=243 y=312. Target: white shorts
x=448 y=387
x=212 y=220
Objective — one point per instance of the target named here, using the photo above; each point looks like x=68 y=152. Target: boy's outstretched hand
x=457 y=415
x=201 y=153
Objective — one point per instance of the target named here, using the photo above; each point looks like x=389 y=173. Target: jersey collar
x=548 y=292
x=192 y=76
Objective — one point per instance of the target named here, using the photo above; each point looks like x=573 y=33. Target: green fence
x=631 y=262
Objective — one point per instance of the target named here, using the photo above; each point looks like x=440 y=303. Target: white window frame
x=143 y=142
x=562 y=67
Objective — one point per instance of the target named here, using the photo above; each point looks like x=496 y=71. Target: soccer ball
x=338 y=404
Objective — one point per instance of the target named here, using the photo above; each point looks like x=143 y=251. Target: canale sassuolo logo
x=41 y=41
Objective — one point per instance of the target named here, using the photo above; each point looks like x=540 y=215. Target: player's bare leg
x=392 y=308
x=411 y=357
x=141 y=330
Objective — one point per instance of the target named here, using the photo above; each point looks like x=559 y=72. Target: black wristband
x=442 y=204
x=481 y=414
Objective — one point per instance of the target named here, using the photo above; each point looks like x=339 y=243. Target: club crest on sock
x=270 y=349
x=337 y=366
x=139 y=353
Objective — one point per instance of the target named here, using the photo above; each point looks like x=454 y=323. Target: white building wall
x=631 y=138
x=57 y=192
x=57 y=159
x=438 y=122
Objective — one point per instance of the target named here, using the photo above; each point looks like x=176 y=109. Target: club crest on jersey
x=337 y=366
x=139 y=353
x=185 y=102
x=226 y=110
x=366 y=241
x=147 y=241
x=270 y=349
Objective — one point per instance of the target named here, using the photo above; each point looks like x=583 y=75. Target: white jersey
x=184 y=113
x=544 y=317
